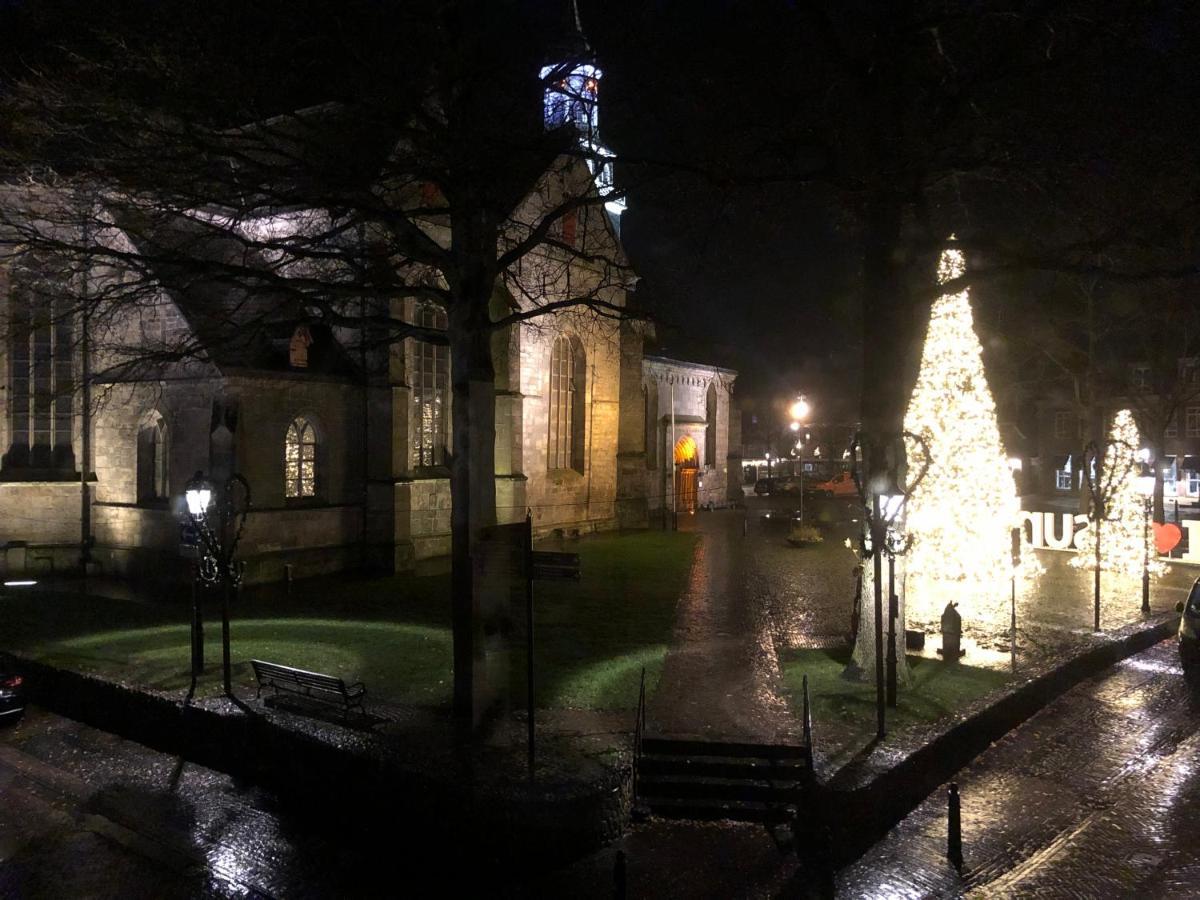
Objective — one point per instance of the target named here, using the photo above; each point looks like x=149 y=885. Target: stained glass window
x=300 y=459
x=431 y=377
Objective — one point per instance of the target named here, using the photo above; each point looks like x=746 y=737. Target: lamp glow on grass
x=843 y=709
x=593 y=636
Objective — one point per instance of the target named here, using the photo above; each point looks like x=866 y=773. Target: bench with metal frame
x=548 y=564
x=309 y=685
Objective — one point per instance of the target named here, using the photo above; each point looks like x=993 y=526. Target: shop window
x=1063 y=476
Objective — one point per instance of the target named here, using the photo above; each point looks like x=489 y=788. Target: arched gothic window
x=431 y=382
x=153 y=461
x=300 y=459
x=564 y=449
x=41 y=385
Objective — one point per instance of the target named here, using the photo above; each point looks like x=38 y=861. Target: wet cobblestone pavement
x=1097 y=796
x=84 y=813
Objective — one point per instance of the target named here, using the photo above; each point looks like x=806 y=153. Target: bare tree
x=421 y=169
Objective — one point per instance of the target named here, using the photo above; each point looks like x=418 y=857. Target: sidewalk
x=1094 y=797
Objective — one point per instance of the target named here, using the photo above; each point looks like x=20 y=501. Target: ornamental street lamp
x=1145 y=485
x=883 y=508
x=218 y=545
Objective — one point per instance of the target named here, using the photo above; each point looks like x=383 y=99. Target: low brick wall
x=337 y=772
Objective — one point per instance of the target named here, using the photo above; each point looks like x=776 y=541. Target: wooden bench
x=549 y=564
x=310 y=685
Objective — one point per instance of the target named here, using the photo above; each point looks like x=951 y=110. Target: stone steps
x=742 y=781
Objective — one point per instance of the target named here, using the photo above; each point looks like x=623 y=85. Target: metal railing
x=808 y=729
x=639 y=731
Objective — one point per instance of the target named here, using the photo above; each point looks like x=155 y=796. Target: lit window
x=1062 y=476
x=565 y=447
x=300 y=459
x=41 y=386
x=431 y=376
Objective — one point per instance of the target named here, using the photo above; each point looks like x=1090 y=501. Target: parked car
x=840 y=485
x=1189 y=625
x=12 y=693
x=764 y=486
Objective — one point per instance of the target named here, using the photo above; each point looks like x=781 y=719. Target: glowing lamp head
x=1014 y=463
x=800 y=409
x=198 y=495
x=795 y=426
x=1145 y=485
x=198 y=500
x=1143 y=455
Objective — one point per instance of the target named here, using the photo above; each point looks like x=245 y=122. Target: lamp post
x=799 y=411
x=1014 y=463
x=1145 y=485
x=217 y=545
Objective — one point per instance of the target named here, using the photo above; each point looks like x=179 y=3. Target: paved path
x=720 y=678
x=1096 y=796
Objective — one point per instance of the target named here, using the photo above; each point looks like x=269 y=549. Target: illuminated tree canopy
x=961 y=514
x=1125 y=542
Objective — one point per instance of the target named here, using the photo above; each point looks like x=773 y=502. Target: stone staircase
x=696 y=779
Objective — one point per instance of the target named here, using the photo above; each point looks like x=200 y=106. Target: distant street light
x=799 y=410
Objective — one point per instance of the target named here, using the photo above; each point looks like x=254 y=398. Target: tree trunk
x=472 y=493
x=890 y=333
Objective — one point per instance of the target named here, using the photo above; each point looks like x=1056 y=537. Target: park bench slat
x=314 y=685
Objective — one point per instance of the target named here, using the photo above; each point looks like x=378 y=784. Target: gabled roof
x=240 y=324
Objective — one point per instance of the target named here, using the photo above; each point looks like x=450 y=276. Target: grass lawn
x=844 y=710
x=391 y=633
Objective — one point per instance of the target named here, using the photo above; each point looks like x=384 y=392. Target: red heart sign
x=1166 y=537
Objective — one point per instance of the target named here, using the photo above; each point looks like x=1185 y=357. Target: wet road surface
x=1098 y=796
x=84 y=813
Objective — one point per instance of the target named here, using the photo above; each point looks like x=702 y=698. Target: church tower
x=571 y=99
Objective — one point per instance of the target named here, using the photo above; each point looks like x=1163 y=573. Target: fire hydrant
x=951 y=633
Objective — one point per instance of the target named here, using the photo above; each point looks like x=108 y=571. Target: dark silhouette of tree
x=310 y=163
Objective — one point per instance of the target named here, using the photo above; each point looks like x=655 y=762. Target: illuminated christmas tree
x=961 y=515
x=1125 y=542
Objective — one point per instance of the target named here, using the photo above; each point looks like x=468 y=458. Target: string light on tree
x=1125 y=544
x=961 y=514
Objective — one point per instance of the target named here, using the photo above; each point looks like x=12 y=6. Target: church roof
x=240 y=324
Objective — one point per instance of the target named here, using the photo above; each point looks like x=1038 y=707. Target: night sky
x=716 y=108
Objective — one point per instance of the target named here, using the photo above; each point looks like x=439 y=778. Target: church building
x=344 y=446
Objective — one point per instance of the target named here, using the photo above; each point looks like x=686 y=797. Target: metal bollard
x=954 y=835
x=619 y=876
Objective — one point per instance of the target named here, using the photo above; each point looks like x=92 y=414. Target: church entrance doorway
x=687 y=472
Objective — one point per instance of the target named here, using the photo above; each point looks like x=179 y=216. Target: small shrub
x=804 y=534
